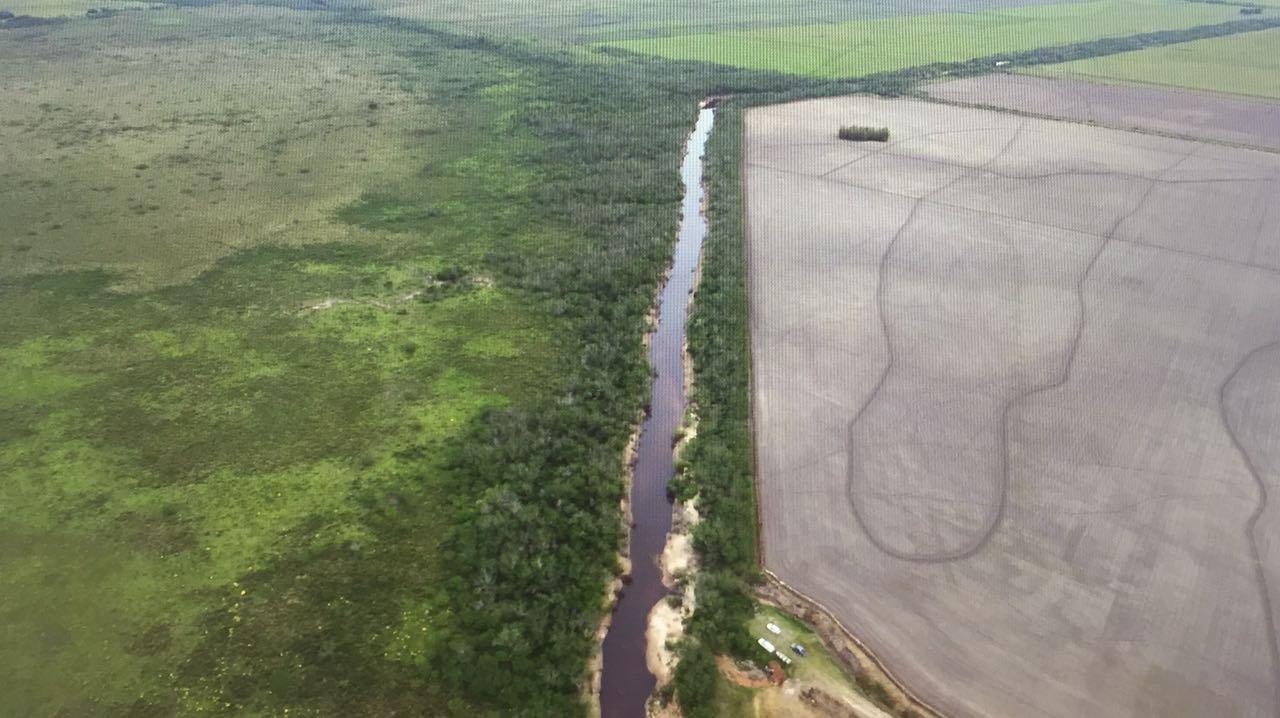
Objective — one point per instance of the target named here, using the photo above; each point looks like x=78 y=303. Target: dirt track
x=1018 y=404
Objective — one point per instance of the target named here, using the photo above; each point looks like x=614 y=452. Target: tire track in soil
x=1084 y=233
x=888 y=368
x=1002 y=475
x=1250 y=527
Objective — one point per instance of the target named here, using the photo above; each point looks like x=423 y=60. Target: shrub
x=695 y=681
x=860 y=133
x=874 y=690
x=451 y=274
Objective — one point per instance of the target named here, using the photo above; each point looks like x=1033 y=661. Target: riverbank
x=627 y=677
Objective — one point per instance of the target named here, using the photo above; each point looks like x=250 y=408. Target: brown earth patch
x=1180 y=113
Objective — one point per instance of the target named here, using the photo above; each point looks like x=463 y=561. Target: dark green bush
x=874 y=690
x=860 y=133
x=695 y=681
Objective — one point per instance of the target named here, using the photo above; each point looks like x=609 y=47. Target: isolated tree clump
x=860 y=133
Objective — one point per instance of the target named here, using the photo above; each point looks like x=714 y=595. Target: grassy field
x=857 y=48
x=1245 y=64
x=167 y=126
x=69 y=8
x=601 y=20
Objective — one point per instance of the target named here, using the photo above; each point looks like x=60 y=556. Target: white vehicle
x=766 y=645
x=782 y=657
x=773 y=628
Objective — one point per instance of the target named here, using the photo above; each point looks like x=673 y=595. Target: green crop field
x=857 y=48
x=1245 y=64
x=601 y=20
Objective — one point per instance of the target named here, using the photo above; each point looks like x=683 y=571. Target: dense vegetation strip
x=717 y=463
x=535 y=524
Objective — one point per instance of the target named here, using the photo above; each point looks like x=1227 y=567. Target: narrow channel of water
x=625 y=681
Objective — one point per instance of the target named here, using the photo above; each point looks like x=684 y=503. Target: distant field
x=601 y=20
x=1240 y=120
x=165 y=127
x=862 y=47
x=68 y=8
x=1245 y=64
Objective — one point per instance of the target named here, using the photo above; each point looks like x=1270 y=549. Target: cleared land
x=1244 y=64
x=858 y=48
x=1016 y=400
x=1251 y=122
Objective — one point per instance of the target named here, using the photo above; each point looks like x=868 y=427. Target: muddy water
x=625 y=682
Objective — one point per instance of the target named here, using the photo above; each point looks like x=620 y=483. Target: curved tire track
x=1250 y=528
x=996 y=517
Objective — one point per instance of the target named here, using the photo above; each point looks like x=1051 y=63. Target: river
x=625 y=682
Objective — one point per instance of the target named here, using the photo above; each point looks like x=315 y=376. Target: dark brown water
x=625 y=681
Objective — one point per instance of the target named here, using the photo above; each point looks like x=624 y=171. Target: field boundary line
x=745 y=250
x=1122 y=82
x=923 y=94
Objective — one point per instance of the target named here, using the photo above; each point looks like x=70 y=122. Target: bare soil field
x=1235 y=120
x=1017 y=403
